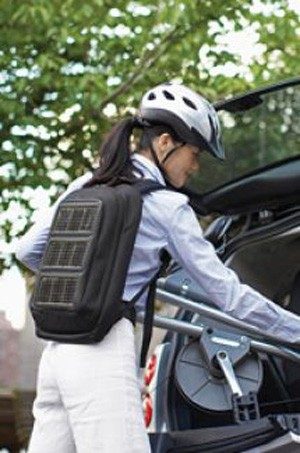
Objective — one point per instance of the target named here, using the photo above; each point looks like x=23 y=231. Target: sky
x=12 y=285
x=13 y=297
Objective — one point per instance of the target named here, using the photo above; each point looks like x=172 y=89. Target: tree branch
x=145 y=63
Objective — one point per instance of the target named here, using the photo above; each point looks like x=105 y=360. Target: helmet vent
x=168 y=95
x=189 y=103
x=151 y=96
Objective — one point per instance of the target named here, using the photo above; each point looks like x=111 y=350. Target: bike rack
x=272 y=346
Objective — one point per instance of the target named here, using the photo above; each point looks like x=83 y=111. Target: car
x=216 y=384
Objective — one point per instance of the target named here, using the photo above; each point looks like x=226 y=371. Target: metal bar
x=175 y=325
x=280 y=351
x=213 y=313
x=192 y=330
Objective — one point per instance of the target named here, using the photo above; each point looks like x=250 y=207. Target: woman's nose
x=196 y=165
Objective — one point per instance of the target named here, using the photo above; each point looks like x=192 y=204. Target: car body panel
x=274 y=186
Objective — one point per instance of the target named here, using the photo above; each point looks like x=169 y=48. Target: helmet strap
x=169 y=153
x=159 y=164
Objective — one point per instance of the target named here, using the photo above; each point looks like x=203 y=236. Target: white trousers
x=88 y=398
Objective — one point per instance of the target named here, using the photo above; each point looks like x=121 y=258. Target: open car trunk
x=267 y=258
x=254 y=202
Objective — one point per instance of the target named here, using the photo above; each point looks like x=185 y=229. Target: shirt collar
x=149 y=169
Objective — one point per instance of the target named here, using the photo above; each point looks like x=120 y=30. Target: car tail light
x=148 y=409
x=150 y=369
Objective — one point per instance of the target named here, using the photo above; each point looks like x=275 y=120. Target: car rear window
x=265 y=134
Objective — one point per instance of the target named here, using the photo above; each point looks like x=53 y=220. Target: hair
x=114 y=161
x=153 y=131
x=115 y=165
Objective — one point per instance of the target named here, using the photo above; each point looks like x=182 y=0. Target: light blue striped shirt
x=169 y=222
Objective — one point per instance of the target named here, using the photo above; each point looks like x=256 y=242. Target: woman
x=87 y=396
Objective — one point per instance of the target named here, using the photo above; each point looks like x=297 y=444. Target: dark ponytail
x=115 y=165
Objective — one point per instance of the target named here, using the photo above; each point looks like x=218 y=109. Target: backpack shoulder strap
x=146 y=186
x=149 y=315
x=149 y=312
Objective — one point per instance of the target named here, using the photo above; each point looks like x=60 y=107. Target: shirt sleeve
x=30 y=247
x=188 y=247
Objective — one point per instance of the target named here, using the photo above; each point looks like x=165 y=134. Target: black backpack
x=80 y=282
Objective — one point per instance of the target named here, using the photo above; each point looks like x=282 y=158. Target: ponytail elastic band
x=137 y=121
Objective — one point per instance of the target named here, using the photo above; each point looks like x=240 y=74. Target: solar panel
x=65 y=253
x=76 y=218
x=56 y=290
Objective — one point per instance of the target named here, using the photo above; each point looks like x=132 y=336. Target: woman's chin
x=177 y=184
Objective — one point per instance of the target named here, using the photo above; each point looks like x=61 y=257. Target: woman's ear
x=165 y=142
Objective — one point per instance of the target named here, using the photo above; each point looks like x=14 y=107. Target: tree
x=69 y=69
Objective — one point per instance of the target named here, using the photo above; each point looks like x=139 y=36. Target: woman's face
x=181 y=164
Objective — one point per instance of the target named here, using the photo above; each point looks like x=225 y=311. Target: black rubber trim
x=229 y=439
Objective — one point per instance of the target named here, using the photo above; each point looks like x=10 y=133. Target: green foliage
x=64 y=63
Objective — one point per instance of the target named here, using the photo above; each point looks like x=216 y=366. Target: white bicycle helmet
x=192 y=117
